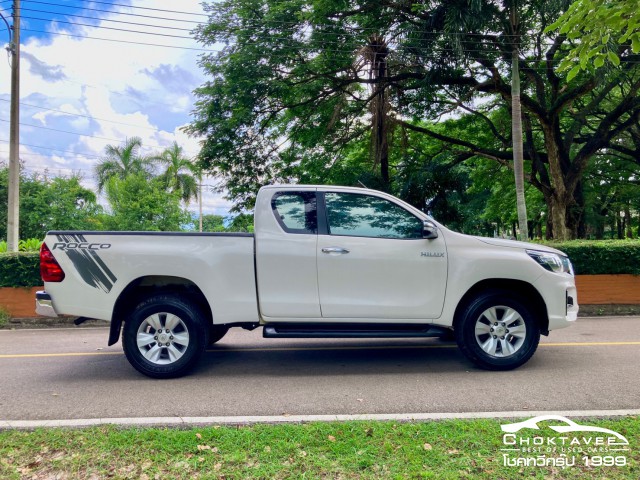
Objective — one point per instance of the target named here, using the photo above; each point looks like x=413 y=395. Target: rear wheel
x=164 y=336
x=497 y=331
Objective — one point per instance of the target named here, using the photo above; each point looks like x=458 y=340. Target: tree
x=58 y=203
x=179 y=174
x=242 y=222
x=140 y=204
x=600 y=31
x=211 y=223
x=287 y=95
x=122 y=161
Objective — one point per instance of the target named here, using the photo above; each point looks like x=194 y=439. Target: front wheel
x=164 y=336
x=497 y=331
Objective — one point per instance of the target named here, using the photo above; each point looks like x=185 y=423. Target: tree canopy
x=51 y=203
x=298 y=84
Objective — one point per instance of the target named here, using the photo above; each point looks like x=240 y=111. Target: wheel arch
x=143 y=286
x=524 y=290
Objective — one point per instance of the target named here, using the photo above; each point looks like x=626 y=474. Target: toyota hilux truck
x=324 y=262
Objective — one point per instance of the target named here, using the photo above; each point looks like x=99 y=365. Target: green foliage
x=601 y=31
x=599 y=257
x=20 y=269
x=140 y=204
x=5 y=316
x=217 y=223
x=242 y=222
x=59 y=203
x=30 y=245
x=3 y=246
x=210 y=223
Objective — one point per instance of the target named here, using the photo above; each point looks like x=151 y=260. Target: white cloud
x=90 y=93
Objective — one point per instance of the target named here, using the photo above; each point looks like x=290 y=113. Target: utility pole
x=200 y=201
x=13 y=217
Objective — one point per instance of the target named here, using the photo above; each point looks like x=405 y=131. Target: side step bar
x=337 y=330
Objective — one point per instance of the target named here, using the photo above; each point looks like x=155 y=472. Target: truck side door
x=373 y=261
x=286 y=245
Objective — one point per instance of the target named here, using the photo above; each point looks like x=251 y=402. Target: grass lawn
x=456 y=449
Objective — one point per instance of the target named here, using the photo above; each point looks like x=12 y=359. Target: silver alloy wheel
x=500 y=331
x=162 y=338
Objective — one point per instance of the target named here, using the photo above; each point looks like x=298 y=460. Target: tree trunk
x=559 y=200
x=619 y=225
x=627 y=217
x=575 y=214
x=559 y=218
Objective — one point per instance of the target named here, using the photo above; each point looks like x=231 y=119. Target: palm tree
x=475 y=14
x=516 y=122
x=122 y=161
x=180 y=172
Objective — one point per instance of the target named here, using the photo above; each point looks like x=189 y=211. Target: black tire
x=216 y=332
x=186 y=336
x=497 y=331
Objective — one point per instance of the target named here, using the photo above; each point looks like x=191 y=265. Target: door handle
x=335 y=250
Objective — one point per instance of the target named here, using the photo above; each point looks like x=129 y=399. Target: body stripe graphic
x=89 y=265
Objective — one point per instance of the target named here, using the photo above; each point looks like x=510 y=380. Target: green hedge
x=20 y=269
x=598 y=257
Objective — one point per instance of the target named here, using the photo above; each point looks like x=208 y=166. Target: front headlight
x=551 y=261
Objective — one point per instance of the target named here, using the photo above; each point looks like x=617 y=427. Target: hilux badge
x=432 y=254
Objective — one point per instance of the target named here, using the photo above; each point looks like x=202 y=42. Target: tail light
x=50 y=269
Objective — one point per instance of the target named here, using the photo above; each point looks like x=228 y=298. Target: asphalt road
x=72 y=374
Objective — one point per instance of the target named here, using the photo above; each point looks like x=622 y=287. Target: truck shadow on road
x=237 y=362
x=333 y=360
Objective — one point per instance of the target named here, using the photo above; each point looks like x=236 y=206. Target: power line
x=82 y=134
x=120 y=41
x=97 y=18
x=82 y=154
x=146 y=102
x=108 y=28
x=290 y=48
x=64 y=131
x=114 y=13
x=84 y=116
x=79 y=154
x=256 y=26
x=127 y=6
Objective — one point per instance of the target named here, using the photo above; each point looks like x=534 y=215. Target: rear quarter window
x=296 y=212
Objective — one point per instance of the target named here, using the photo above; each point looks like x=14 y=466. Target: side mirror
x=429 y=230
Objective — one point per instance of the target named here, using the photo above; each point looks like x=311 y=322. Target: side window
x=368 y=216
x=296 y=212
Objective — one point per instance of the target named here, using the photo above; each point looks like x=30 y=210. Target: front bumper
x=561 y=297
x=44 y=304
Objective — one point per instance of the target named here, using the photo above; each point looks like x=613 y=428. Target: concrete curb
x=279 y=419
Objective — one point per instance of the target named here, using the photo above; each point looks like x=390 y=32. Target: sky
x=94 y=73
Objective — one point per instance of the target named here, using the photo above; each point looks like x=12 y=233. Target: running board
x=338 y=330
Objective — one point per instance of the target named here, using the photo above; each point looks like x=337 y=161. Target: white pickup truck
x=324 y=262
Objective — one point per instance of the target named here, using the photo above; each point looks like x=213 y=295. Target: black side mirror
x=429 y=230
